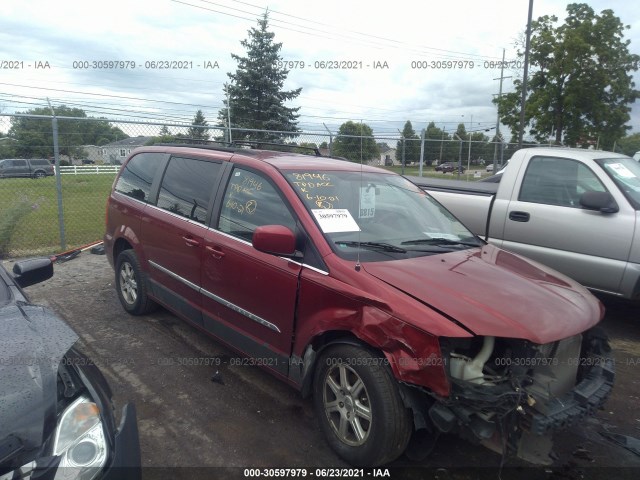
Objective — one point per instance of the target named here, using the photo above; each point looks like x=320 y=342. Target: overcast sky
x=195 y=32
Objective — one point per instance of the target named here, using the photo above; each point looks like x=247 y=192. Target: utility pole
x=403 y=149
x=525 y=77
x=330 y=138
x=422 y=150
x=56 y=154
x=495 y=149
x=229 y=117
x=459 y=155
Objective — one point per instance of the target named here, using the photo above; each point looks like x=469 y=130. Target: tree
x=629 y=145
x=7 y=147
x=306 y=148
x=198 y=133
x=411 y=144
x=355 y=142
x=435 y=140
x=581 y=86
x=256 y=89
x=34 y=136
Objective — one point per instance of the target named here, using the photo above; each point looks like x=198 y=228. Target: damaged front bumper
x=511 y=395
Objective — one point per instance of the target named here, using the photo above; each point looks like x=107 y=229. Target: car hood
x=494 y=292
x=32 y=345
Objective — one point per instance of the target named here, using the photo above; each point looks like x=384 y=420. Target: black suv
x=23 y=167
x=56 y=414
x=449 y=167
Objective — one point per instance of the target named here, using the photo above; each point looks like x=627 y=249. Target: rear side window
x=250 y=201
x=41 y=162
x=137 y=176
x=19 y=163
x=187 y=187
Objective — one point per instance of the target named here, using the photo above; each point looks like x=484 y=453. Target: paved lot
x=224 y=414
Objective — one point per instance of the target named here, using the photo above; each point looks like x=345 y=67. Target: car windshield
x=625 y=172
x=377 y=216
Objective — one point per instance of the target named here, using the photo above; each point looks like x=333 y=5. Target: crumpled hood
x=493 y=292
x=32 y=344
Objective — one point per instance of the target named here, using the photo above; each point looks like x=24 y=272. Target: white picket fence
x=89 y=169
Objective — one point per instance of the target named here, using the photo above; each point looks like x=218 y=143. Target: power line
x=445 y=53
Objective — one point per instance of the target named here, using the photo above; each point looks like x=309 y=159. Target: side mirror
x=274 y=239
x=601 y=201
x=32 y=271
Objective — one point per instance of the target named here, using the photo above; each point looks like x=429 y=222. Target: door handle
x=216 y=252
x=519 y=216
x=190 y=241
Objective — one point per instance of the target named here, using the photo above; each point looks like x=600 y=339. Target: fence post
x=421 y=150
x=56 y=153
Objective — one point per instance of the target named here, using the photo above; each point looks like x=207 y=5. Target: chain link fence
x=56 y=213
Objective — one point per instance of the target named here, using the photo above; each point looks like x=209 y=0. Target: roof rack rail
x=229 y=146
x=258 y=144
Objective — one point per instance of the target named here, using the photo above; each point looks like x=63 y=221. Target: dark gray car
x=56 y=414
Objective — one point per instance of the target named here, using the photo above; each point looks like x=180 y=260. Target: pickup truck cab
x=571 y=209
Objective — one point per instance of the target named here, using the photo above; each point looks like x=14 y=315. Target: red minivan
x=355 y=286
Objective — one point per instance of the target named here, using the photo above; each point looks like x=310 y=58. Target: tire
x=132 y=285
x=39 y=174
x=358 y=406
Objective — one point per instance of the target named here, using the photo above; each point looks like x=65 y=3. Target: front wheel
x=359 y=408
x=131 y=284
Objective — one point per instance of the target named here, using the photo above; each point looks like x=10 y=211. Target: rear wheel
x=359 y=408
x=39 y=174
x=132 y=285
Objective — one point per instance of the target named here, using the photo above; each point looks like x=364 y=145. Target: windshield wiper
x=440 y=241
x=385 y=247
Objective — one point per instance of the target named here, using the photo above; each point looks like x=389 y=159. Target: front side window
x=137 y=175
x=557 y=181
x=377 y=216
x=251 y=201
x=187 y=187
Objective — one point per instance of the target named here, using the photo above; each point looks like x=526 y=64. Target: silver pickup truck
x=574 y=210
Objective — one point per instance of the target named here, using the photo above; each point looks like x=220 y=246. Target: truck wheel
x=131 y=285
x=39 y=174
x=359 y=408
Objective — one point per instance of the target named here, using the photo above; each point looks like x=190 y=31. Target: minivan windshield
x=378 y=216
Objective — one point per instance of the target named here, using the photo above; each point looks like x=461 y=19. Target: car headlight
x=80 y=441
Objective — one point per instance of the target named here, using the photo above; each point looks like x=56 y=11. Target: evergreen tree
x=198 y=133
x=434 y=146
x=411 y=144
x=256 y=89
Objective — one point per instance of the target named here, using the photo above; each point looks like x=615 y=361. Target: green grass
x=37 y=231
